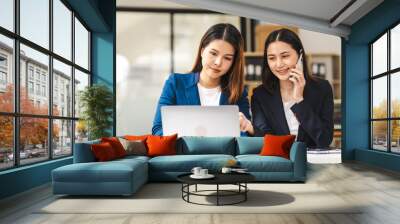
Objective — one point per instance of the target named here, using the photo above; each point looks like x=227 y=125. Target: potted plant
x=96 y=102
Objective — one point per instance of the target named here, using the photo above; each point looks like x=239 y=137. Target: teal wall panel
x=102 y=59
x=356 y=104
x=356 y=127
x=377 y=158
x=103 y=53
x=24 y=178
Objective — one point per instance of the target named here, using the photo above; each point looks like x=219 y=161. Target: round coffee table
x=238 y=179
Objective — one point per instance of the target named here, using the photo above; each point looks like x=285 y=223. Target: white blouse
x=291 y=119
x=209 y=97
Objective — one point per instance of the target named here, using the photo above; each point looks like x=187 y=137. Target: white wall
x=314 y=42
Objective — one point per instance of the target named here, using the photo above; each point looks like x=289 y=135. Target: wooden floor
x=377 y=188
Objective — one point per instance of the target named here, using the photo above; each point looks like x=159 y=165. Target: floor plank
x=377 y=190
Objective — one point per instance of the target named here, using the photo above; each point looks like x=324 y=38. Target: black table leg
x=245 y=193
x=182 y=190
x=217 y=194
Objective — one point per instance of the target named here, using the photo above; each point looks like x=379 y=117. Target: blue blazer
x=181 y=89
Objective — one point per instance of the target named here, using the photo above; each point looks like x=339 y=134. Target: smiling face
x=281 y=58
x=217 y=58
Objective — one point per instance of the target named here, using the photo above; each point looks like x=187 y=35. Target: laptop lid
x=207 y=121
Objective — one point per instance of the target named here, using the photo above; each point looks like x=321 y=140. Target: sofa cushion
x=111 y=171
x=134 y=147
x=206 y=145
x=83 y=152
x=249 y=145
x=257 y=163
x=277 y=145
x=185 y=163
x=103 y=152
x=161 y=145
x=136 y=137
x=116 y=145
x=129 y=159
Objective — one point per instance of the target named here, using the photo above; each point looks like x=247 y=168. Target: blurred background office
x=156 y=38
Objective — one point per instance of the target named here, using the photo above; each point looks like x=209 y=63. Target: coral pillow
x=161 y=145
x=277 y=145
x=116 y=145
x=103 y=152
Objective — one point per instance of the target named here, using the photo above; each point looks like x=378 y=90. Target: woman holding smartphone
x=216 y=77
x=290 y=100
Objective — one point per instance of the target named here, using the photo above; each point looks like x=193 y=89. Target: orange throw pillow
x=277 y=145
x=103 y=152
x=161 y=145
x=116 y=145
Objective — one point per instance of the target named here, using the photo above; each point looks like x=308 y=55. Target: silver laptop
x=207 y=121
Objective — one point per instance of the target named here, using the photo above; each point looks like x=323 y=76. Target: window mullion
x=389 y=106
x=50 y=81
x=171 y=22
x=371 y=92
x=16 y=84
x=73 y=82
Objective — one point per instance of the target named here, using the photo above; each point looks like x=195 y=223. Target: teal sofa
x=125 y=176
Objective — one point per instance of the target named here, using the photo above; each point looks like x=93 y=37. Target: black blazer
x=314 y=113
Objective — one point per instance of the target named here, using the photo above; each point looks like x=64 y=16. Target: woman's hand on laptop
x=245 y=124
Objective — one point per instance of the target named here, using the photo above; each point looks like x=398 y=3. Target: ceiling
x=326 y=16
x=150 y=4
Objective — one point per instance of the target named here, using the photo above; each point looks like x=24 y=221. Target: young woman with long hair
x=215 y=79
x=290 y=100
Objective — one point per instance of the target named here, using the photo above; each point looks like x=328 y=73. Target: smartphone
x=299 y=64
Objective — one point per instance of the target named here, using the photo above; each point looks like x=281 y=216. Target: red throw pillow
x=103 y=151
x=116 y=145
x=161 y=145
x=277 y=145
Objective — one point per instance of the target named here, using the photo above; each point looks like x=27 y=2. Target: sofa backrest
x=249 y=145
x=83 y=152
x=190 y=146
x=206 y=145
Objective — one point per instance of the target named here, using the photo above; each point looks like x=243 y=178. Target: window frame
x=388 y=74
x=16 y=115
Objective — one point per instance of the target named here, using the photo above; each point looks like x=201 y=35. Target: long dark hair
x=269 y=80
x=232 y=82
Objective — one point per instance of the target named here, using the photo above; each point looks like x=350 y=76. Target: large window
x=385 y=95
x=7 y=14
x=40 y=80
